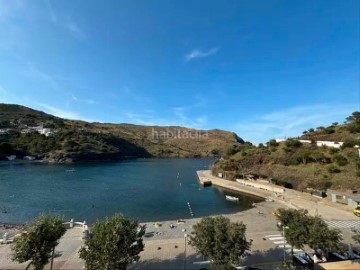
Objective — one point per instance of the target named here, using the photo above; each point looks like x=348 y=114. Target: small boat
x=29 y=158
x=70 y=170
x=232 y=198
x=12 y=157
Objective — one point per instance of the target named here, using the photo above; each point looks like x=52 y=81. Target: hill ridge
x=25 y=131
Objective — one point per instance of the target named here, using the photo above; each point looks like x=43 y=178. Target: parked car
x=357 y=211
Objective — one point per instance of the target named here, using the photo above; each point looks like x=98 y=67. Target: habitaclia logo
x=178 y=133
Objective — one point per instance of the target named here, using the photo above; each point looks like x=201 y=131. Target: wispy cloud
x=75 y=29
x=140 y=119
x=69 y=24
x=200 y=54
x=7 y=97
x=292 y=122
x=62 y=113
x=178 y=116
x=36 y=73
x=51 y=11
x=84 y=100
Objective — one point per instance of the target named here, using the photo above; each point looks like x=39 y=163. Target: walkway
x=343 y=224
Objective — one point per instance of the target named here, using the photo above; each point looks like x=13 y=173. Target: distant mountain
x=24 y=131
x=301 y=164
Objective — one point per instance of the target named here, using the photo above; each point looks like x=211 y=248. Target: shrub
x=340 y=160
x=349 y=143
x=291 y=143
x=272 y=143
x=282 y=182
x=333 y=169
x=329 y=130
x=333 y=150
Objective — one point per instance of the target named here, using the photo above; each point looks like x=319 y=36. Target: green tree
x=302 y=229
x=321 y=236
x=221 y=241
x=115 y=244
x=292 y=143
x=354 y=118
x=356 y=236
x=39 y=241
x=354 y=122
x=295 y=222
x=272 y=143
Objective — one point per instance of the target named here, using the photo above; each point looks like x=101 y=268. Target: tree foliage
x=39 y=241
x=292 y=143
x=295 y=222
x=321 y=236
x=302 y=229
x=115 y=244
x=356 y=236
x=221 y=241
x=354 y=122
x=272 y=143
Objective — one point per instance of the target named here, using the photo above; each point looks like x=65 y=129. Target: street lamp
x=283 y=228
x=185 y=238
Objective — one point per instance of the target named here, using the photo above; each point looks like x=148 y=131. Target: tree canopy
x=321 y=236
x=295 y=221
x=221 y=241
x=302 y=229
x=356 y=236
x=39 y=241
x=114 y=245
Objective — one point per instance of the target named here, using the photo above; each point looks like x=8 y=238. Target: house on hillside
x=40 y=129
x=46 y=131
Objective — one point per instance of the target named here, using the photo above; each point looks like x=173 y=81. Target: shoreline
x=127 y=158
x=205 y=175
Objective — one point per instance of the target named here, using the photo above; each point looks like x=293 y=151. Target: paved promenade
x=66 y=253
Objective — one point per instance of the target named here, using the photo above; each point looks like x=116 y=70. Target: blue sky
x=264 y=69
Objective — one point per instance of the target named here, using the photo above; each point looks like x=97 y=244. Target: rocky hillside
x=301 y=165
x=24 y=131
x=349 y=130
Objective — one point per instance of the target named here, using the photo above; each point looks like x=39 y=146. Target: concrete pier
x=205 y=177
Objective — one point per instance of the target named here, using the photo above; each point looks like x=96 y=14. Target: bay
x=143 y=189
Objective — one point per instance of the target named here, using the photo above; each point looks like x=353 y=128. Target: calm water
x=145 y=189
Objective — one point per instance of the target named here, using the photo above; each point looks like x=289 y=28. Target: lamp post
x=283 y=228
x=185 y=238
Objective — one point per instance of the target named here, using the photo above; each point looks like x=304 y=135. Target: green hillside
x=300 y=165
x=81 y=141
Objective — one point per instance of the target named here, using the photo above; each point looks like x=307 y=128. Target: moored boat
x=231 y=198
